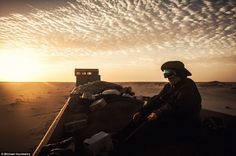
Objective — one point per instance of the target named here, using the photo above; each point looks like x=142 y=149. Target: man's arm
x=155 y=101
x=187 y=103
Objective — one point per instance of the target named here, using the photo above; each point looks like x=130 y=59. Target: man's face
x=172 y=76
x=174 y=79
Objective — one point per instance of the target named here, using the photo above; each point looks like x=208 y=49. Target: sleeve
x=155 y=102
x=185 y=104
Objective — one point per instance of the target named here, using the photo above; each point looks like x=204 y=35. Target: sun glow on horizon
x=18 y=65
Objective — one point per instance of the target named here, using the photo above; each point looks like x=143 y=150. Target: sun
x=18 y=65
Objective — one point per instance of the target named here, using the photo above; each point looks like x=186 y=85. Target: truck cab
x=84 y=76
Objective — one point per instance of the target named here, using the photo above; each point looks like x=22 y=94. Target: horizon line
x=109 y=81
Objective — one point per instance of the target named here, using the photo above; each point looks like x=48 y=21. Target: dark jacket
x=181 y=101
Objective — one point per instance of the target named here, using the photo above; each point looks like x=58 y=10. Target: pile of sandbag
x=97 y=87
x=97 y=109
x=108 y=106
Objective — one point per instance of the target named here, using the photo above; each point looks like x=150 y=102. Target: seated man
x=178 y=104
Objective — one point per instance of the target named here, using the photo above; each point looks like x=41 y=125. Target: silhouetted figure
x=174 y=111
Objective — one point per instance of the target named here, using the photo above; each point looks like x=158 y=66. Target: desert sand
x=26 y=112
x=28 y=109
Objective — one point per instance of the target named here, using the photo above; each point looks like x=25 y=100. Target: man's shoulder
x=189 y=83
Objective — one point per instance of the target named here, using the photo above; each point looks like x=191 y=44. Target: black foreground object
x=67 y=146
x=216 y=137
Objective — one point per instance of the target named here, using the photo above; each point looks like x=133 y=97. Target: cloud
x=192 y=29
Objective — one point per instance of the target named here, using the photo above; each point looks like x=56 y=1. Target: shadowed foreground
x=212 y=138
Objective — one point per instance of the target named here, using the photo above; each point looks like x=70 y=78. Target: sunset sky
x=128 y=40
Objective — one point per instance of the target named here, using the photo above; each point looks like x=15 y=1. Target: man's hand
x=152 y=116
x=136 y=116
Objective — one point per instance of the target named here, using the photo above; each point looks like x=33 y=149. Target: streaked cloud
x=201 y=26
x=149 y=31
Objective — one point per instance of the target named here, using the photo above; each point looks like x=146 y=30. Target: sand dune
x=27 y=109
